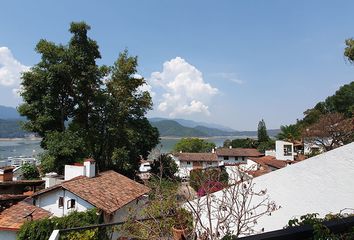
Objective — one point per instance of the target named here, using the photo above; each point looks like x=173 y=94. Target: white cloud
x=229 y=76
x=186 y=92
x=10 y=68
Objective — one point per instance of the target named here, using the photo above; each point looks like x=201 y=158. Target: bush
x=42 y=229
x=199 y=177
x=29 y=171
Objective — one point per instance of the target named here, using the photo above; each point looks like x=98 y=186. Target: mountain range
x=10 y=127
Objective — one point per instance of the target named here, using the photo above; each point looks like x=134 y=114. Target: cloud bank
x=10 y=68
x=185 y=91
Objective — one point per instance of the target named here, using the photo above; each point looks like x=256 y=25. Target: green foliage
x=78 y=114
x=195 y=145
x=164 y=167
x=262 y=132
x=244 y=143
x=289 y=132
x=320 y=231
x=42 y=229
x=198 y=177
x=263 y=146
x=29 y=171
x=349 y=50
x=162 y=208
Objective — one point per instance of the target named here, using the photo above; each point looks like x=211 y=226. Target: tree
x=289 y=132
x=262 y=132
x=234 y=210
x=165 y=167
x=195 y=145
x=65 y=98
x=29 y=171
x=332 y=130
x=244 y=143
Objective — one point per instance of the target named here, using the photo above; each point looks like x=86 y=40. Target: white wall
x=279 y=150
x=7 y=235
x=72 y=171
x=49 y=201
x=134 y=206
x=184 y=168
x=232 y=160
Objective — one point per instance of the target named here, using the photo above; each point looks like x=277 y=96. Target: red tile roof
x=13 y=217
x=109 y=191
x=270 y=161
x=238 y=152
x=192 y=157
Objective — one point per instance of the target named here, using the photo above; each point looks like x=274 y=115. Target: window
x=226 y=158
x=287 y=150
x=71 y=203
x=61 y=202
x=243 y=158
x=209 y=163
x=188 y=163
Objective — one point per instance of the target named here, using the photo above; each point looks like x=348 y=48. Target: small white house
x=110 y=192
x=284 y=150
x=186 y=162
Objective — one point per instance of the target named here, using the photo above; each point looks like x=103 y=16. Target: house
x=219 y=157
x=322 y=184
x=189 y=161
x=231 y=156
x=12 y=218
x=110 y=192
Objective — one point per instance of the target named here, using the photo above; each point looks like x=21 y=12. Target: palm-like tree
x=289 y=132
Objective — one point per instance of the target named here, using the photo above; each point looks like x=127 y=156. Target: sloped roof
x=109 y=191
x=322 y=184
x=238 y=152
x=13 y=217
x=270 y=161
x=210 y=157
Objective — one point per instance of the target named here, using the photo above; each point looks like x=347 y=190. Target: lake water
x=24 y=147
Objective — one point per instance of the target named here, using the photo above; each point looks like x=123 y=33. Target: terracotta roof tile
x=270 y=161
x=13 y=217
x=109 y=191
x=197 y=157
x=238 y=152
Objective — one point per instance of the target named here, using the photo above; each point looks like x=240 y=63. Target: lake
x=27 y=147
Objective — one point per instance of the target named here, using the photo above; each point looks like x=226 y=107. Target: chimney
x=90 y=168
x=6 y=174
x=213 y=150
x=230 y=147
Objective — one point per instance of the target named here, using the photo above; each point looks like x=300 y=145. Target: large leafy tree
x=332 y=130
x=195 y=145
x=78 y=114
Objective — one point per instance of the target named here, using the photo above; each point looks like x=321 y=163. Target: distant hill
x=9 y=113
x=174 y=129
x=171 y=128
x=193 y=124
x=10 y=128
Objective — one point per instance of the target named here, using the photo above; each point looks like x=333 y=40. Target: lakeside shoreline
x=21 y=139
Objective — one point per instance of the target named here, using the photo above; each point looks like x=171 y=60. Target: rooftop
x=13 y=217
x=210 y=157
x=108 y=191
x=270 y=161
x=238 y=152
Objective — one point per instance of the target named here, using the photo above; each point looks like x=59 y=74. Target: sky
x=227 y=62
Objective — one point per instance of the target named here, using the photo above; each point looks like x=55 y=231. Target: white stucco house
x=111 y=193
x=322 y=184
x=83 y=189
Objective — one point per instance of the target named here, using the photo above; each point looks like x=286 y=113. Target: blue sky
x=228 y=62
